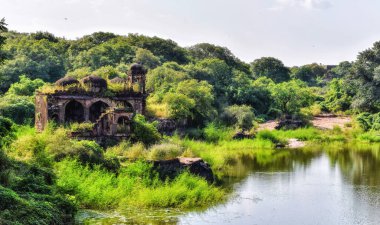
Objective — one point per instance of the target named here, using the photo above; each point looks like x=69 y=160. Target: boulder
x=171 y=168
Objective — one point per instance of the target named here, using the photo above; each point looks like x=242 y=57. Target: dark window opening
x=122 y=125
x=96 y=110
x=128 y=107
x=74 y=112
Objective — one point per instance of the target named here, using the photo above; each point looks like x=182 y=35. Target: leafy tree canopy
x=270 y=67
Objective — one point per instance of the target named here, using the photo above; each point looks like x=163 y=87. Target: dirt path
x=322 y=122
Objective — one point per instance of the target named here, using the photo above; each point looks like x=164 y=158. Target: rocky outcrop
x=171 y=168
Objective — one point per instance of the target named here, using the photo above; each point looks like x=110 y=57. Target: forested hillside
x=200 y=83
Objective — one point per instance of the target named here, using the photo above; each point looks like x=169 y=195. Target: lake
x=297 y=187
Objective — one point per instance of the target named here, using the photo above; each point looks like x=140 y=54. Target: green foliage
x=240 y=116
x=52 y=145
x=6 y=131
x=166 y=50
x=163 y=78
x=289 y=97
x=81 y=127
x=338 y=97
x=309 y=73
x=144 y=131
x=3 y=28
x=164 y=151
x=271 y=68
x=369 y=121
x=202 y=94
x=136 y=185
x=208 y=51
x=179 y=106
x=366 y=77
x=25 y=87
x=125 y=150
x=268 y=135
x=34 y=58
x=146 y=58
x=214 y=133
x=109 y=53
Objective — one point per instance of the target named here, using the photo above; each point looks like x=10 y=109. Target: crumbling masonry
x=90 y=100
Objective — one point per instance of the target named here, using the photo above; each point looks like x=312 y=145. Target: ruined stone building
x=110 y=105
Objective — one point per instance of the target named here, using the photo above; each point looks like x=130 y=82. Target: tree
x=165 y=78
x=270 y=67
x=34 y=58
x=110 y=53
x=289 y=97
x=202 y=94
x=216 y=72
x=146 y=58
x=25 y=86
x=166 y=50
x=309 y=73
x=179 y=105
x=366 y=77
x=3 y=28
x=208 y=51
x=338 y=96
x=244 y=91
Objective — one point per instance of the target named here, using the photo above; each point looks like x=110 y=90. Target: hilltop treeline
x=199 y=84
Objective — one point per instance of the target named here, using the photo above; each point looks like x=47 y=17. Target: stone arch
x=128 y=107
x=74 y=112
x=96 y=109
x=105 y=100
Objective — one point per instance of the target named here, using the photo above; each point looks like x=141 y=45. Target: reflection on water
x=335 y=186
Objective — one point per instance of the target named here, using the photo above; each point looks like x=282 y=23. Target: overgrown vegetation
x=205 y=89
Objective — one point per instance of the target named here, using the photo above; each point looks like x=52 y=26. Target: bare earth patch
x=329 y=121
x=295 y=143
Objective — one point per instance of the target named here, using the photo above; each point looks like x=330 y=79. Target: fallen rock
x=171 y=168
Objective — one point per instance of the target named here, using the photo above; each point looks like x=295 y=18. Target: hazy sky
x=295 y=31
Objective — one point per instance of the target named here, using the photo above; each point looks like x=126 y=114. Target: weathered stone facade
x=89 y=100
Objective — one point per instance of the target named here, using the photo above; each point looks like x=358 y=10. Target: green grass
x=371 y=136
x=135 y=186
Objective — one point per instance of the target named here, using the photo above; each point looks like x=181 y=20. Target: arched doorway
x=128 y=107
x=96 y=110
x=123 y=125
x=74 y=112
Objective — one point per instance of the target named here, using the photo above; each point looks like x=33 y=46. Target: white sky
x=295 y=31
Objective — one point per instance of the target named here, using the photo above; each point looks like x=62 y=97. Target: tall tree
x=366 y=75
x=3 y=28
x=272 y=68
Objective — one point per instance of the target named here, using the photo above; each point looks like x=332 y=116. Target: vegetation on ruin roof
x=112 y=88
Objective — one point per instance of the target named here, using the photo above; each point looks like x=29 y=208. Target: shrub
x=369 y=121
x=213 y=133
x=164 y=151
x=81 y=127
x=6 y=131
x=240 y=116
x=144 y=131
x=126 y=150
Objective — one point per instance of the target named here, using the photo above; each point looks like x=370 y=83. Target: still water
x=296 y=187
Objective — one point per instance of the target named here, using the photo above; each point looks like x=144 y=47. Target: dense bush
x=369 y=121
x=240 y=116
x=144 y=131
